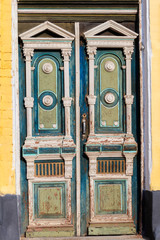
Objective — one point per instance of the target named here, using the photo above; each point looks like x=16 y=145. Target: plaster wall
x=7 y=173
x=155 y=102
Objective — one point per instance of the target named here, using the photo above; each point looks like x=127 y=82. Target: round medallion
x=47 y=100
x=109 y=97
x=109 y=66
x=47 y=68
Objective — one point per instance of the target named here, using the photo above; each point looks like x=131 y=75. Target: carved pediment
x=46 y=30
x=119 y=30
x=117 y=36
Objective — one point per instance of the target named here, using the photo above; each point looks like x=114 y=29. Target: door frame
x=144 y=89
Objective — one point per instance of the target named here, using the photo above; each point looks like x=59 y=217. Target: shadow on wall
x=151 y=214
x=9 y=227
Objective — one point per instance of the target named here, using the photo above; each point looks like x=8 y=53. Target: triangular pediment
x=52 y=30
x=114 y=27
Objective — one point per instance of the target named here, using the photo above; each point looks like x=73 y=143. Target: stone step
x=124 y=237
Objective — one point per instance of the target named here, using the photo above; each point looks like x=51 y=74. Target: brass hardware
x=84 y=125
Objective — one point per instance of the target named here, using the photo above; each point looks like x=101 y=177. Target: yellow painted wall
x=7 y=171
x=155 y=76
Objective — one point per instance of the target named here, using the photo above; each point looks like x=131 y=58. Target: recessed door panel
x=109 y=88
x=48 y=117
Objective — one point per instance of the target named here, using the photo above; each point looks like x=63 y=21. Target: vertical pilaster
x=66 y=53
x=91 y=98
x=28 y=100
x=128 y=97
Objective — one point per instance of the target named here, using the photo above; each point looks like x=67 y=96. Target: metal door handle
x=84 y=124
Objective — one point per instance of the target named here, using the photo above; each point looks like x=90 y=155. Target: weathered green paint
x=110 y=197
x=110 y=116
x=112 y=229
x=109 y=79
x=47 y=118
x=51 y=232
x=50 y=201
x=47 y=81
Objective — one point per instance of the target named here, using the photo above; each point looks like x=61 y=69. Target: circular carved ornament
x=47 y=68
x=109 y=97
x=109 y=66
x=47 y=100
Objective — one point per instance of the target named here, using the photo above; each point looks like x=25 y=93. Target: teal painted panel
x=110 y=197
x=47 y=89
x=109 y=89
x=50 y=200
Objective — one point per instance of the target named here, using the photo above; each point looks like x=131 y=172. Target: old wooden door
x=79 y=145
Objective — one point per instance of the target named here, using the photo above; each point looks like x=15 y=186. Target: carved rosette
x=109 y=66
x=47 y=100
x=47 y=68
x=109 y=98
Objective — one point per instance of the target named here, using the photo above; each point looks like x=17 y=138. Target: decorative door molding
x=106 y=174
x=49 y=158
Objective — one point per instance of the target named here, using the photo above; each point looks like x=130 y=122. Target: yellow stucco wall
x=155 y=78
x=7 y=171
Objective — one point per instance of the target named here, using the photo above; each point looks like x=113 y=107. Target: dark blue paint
x=112 y=148
x=49 y=150
x=23 y=133
x=136 y=182
x=29 y=151
x=84 y=160
x=69 y=150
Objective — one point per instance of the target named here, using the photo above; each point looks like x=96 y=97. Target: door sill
x=124 y=237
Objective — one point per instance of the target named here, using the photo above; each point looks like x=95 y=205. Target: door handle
x=84 y=125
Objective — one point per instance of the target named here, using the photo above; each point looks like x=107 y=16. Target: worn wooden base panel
x=111 y=229
x=50 y=232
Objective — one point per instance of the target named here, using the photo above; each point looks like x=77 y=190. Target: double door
x=80 y=119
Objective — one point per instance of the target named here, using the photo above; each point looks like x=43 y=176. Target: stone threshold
x=124 y=237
